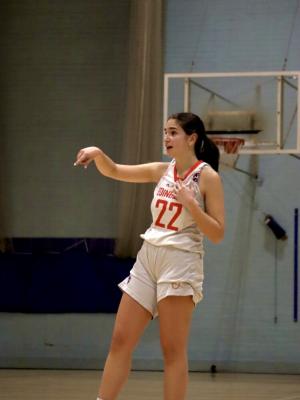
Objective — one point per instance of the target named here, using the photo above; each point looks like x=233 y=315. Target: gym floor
x=83 y=385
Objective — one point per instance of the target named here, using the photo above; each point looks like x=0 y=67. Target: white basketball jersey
x=172 y=224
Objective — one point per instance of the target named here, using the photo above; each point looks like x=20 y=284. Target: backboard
x=259 y=107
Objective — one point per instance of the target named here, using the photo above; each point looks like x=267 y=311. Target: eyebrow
x=170 y=127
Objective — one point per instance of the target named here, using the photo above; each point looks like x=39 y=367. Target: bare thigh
x=175 y=314
x=131 y=321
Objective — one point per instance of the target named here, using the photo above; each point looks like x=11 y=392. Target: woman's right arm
x=150 y=172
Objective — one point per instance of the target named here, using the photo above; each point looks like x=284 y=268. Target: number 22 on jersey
x=172 y=208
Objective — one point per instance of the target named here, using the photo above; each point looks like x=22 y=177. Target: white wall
x=234 y=326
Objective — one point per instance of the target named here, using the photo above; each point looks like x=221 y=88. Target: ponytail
x=205 y=148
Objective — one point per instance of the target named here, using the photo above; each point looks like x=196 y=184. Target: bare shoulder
x=208 y=173
x=210 y=179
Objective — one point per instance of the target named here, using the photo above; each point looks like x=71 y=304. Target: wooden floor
x=83 y=385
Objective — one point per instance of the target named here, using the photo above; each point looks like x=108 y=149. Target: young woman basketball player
x=167 y=278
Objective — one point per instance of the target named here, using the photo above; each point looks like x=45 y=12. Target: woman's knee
x=121 y=342
x=172 y=351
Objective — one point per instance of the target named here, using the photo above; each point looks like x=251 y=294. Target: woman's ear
x=193 y=138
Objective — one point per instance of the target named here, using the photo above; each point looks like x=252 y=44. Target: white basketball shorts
x=162 y=271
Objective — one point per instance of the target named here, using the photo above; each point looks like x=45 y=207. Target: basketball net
x=229 y=150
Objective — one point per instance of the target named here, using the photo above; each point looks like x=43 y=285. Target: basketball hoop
x=229 y=149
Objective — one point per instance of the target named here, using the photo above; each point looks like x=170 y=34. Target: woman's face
x=176 y=141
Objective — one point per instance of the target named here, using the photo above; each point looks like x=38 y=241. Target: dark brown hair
x=205 y=149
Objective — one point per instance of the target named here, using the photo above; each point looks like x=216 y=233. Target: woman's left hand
x=183 y=193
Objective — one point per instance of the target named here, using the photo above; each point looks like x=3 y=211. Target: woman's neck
x=183 y=164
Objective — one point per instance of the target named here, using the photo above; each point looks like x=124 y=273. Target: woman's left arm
x=211 y=221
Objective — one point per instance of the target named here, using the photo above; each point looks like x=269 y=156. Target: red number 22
x=165 y=204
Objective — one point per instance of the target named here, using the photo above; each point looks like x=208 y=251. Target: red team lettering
x=165 y=193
